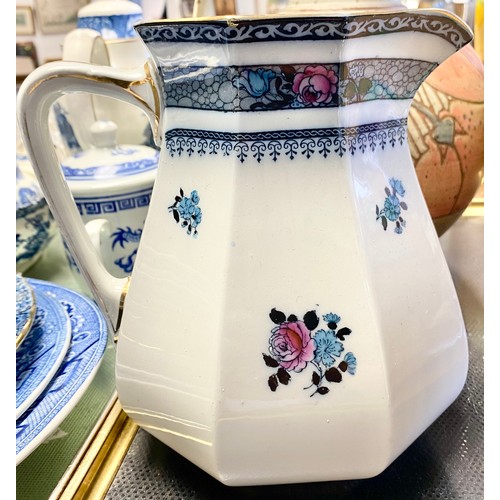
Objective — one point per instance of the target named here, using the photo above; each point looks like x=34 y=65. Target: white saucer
x=89 y=338
x=40 y=355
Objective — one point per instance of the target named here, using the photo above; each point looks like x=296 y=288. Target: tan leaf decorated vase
x=446 y=136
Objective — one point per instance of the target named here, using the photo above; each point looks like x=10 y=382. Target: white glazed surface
x=267 y=233
x=296 y=236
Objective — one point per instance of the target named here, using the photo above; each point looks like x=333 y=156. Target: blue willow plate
x=89 y=338
x=25 y=308
x=40 y=355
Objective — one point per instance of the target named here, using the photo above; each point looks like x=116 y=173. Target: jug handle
x=37 y=94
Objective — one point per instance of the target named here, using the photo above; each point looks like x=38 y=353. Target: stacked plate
x=61 y=337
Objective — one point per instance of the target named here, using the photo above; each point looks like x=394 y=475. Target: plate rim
x=64 y=335
x=32 y=313
x=44 y=428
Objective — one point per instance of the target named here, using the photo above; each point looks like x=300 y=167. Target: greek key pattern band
x=113 y=204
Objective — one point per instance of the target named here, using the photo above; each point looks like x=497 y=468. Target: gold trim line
x=99 y=465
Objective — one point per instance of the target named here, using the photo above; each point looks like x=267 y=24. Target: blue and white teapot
x=290 y=316
x=111 y=184
x=104 y=35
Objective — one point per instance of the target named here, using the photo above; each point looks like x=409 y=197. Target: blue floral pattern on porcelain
x=391 y=212
x=34 y=222
x=119 y=169
x=111 y=27
x=89 y=338
x=39 y=356
x=186 y=211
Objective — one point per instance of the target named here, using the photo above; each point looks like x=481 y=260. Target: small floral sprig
x=186 y=211
x=295 y=345
x=393 y=206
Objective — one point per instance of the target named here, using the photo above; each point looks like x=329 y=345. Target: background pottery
x=446 y=136
x=35 y=226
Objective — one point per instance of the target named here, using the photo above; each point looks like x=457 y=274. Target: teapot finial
x=104 y=134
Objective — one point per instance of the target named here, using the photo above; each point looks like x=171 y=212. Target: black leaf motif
x=333 y=375
x=311 y=320
x=176 y=215
x=283 y=376
x=315 y=378
x=343 y=366
x=292 y=318
x=182 y=192
x=332 y=325
x=178 y=198
x=403 y=205
x=384 y=223
x=387 y=191
x=343 y=332
x=273 y=382
x=271 y=362
x=377 y=210
x=323 y=390
x=277 y=317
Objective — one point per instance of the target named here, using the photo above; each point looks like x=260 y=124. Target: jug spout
x=357 y=57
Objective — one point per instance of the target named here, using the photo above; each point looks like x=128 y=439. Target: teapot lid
x=109 y=162
x=113 y=19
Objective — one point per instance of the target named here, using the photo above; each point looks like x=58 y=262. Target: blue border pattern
x=289 y=143
x=104 y=171
x=310 y=28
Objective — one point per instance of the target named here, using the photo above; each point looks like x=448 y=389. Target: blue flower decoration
x=392 y=209
x=397 y=185
x=255 y=82
x=194 y=197
x=331 y=318
x=327 y=346
x=393 y=206
x=196 y=217
x=350 y=359
x=186 y=208
x=186 y=211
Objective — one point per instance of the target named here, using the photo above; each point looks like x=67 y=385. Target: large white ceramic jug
x=290 y=316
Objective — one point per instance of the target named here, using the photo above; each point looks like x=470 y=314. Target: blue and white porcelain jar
x=35 y=225
x=112 y=185
x=104 y=35
x=113 y=19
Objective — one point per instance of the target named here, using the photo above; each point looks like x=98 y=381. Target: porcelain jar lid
x=113 y=19
x=108 y=166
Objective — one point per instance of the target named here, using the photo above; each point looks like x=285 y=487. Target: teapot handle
x=36 y=95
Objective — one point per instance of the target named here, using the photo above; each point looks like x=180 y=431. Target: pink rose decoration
x=291 y=345
x=316 y=85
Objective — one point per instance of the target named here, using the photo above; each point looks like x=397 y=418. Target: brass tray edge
x=95 y=467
